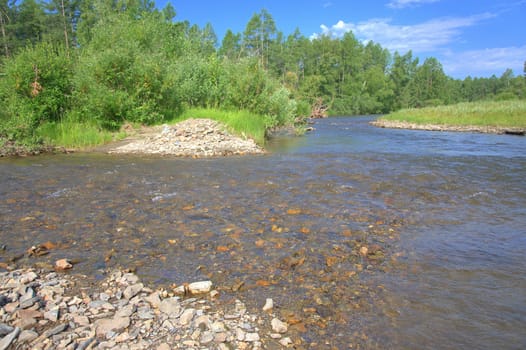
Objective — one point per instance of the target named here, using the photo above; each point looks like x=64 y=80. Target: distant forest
x=111 y=61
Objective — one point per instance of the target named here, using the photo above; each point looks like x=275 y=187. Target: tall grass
x=241 y=123
x=485 y=113
x=75 y=135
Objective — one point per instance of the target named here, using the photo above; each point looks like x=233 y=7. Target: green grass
x=484 y=113
x=75 y=135
x=242 y=123
x=72 y=134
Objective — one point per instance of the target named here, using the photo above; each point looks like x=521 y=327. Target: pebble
x=36 y=313
x=192 y=138
x=269 y=305
x=278 y=326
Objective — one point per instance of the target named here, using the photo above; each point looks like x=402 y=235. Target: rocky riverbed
x=438 y=127
x=54 y=310
x=190 y=138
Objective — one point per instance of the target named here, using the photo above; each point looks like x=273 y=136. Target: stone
x=145 y=313
x=28 y=277
x=121 y=338
x=132 y=290
x=28 y=294
x=56 y=330
x=85 y=343
x=170 y=306
x=27 y=336
x=8 y=339
x=240 y=334
x=106 y=325
x=126 y=311
x=202 y=322
x=269 y=305
x=11 y=307
x=5 y=329
x=186 y=317
x=206 y=338
x=81 y=320
x=251 y=337
x=52 y=314
x=286 y=341
x=278 y=326
x=163 y=346
x=154 y=299
x=218 y=326
x=29 y=302
x=63 y=264
x=194 y=288
x=220 y=337
x=130 y=278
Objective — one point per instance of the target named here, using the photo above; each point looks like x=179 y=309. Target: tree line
x=110 y=61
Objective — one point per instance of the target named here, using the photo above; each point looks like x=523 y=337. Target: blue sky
x=469 y=37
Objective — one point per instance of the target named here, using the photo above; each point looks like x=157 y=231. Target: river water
x=444 y=212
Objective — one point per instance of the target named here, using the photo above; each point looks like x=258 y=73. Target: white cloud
x=422 y=37
x=398 y=4
x=485 y=62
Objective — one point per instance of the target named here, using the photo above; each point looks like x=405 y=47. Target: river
x=446 y=213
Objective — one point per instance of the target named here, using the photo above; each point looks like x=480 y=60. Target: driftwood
x=319 y=110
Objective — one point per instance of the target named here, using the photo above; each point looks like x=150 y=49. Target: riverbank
x=194 y=137
x=52 y=310
x=497 y=117
x=397 y=124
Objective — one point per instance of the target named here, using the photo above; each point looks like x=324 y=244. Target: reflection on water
x=446 y=211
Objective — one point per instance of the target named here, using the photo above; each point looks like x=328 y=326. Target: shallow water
x=447 y=210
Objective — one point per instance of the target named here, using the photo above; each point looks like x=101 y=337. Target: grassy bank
x=76 y=135
x=506 y=114
x=242 y=123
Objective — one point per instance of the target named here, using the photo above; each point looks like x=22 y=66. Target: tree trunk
x=65 y=27
x=4 y=36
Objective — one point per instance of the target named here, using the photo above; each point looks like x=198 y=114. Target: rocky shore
x=436 y=127
x=190 y=138
x=55 y=310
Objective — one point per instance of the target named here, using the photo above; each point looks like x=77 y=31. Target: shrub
x=36 y=88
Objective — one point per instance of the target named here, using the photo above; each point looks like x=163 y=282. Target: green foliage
x=74 y=134
x=36 y=88
x=127 y=80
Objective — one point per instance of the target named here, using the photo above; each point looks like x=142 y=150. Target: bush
x=36 y=88
x=129 y=80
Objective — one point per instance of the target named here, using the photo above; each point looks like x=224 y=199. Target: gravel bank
x=434 y=127
x=52 y=310
x=190 y=138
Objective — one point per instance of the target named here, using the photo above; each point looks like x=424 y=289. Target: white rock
x=278 y=326
x=194 y=288
x=269 y=305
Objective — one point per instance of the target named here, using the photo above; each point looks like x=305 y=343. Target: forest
x=105 y=62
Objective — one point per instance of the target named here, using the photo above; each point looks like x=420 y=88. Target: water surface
x=447 y=210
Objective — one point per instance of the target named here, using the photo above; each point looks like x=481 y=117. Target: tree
x=230 y=46
x=258 y=34
x=402 y=73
